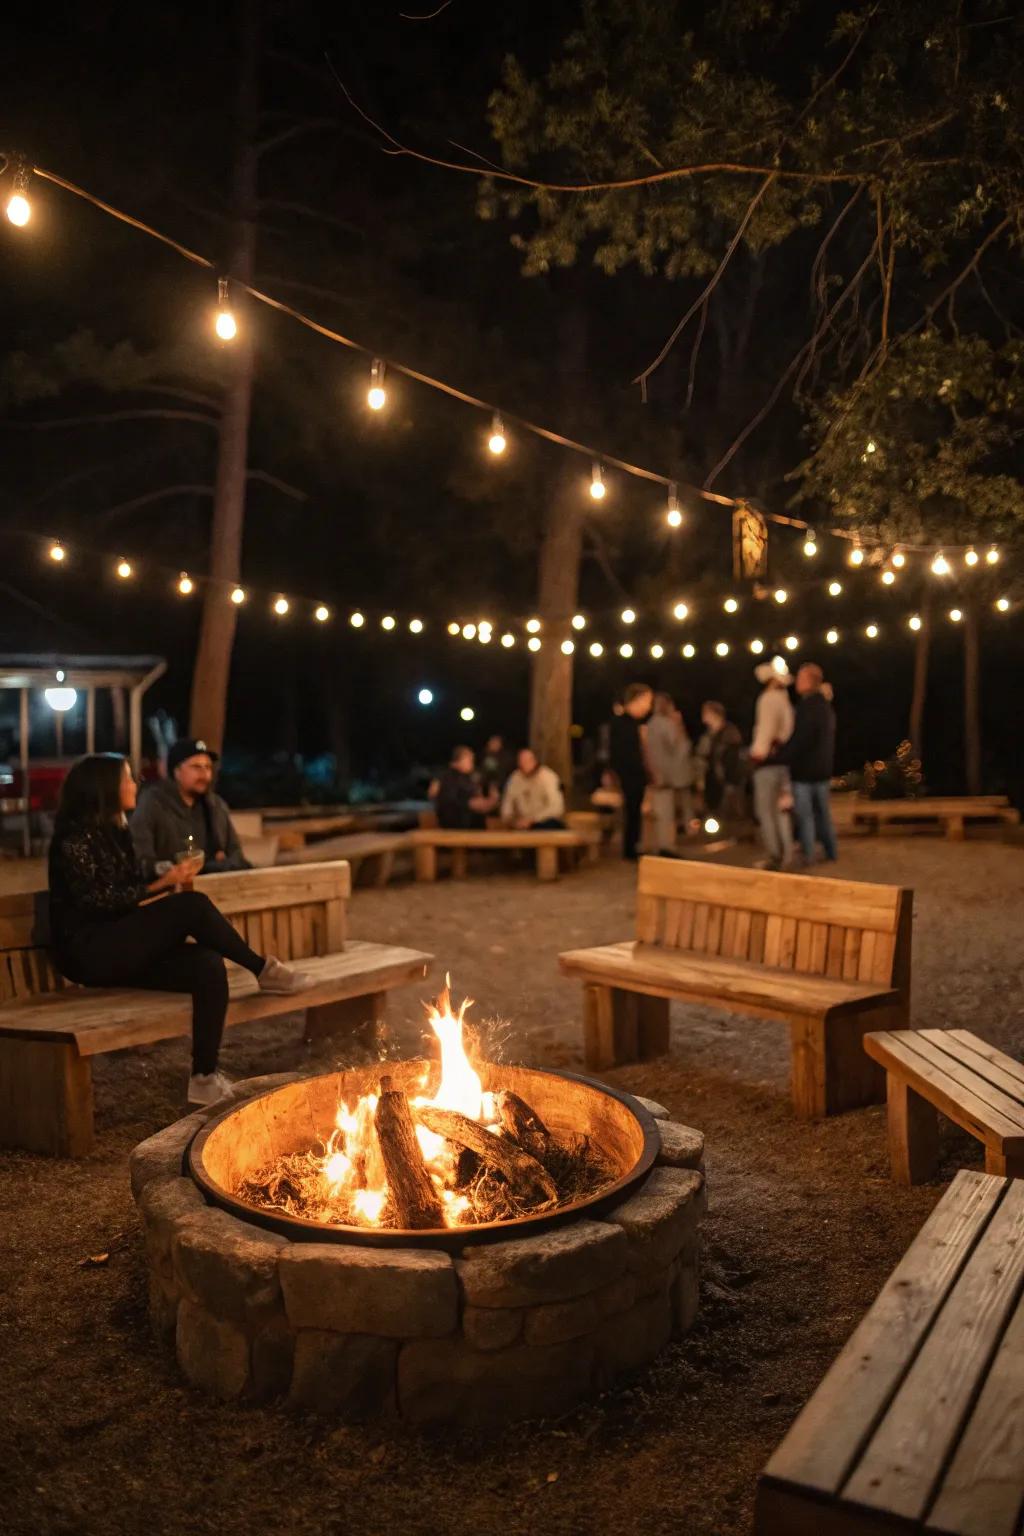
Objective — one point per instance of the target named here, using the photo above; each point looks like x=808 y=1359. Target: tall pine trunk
x=558 y=592
x=219 y=617
x=972 y=725
x=915 y=730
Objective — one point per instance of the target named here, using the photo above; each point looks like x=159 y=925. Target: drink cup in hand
x=189 y=861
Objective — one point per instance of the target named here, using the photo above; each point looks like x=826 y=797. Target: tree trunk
x=915 y=730
x=558 y=583
x=217 y=628
x=972 y=726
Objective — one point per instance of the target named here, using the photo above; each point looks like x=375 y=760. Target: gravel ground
x=98 y=1436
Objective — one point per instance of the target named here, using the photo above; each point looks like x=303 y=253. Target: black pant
x=549 y=824
x=147 y=948
x=632 y=818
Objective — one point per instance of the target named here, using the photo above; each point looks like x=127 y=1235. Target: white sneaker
x=276 y=977
x=208 y=1087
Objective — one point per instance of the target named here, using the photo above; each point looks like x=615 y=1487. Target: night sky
x=400 y=512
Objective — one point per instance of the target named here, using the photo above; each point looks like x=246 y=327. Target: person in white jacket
x=773 y=794
x=533 y=795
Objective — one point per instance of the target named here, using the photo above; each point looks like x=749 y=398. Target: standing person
x=458 y=796
x=670 y=757
x=628 y=760
x=533 y=795
x=183 y=812
x=109 y=931
x=773 y=725
x=496 y=763
x=810 y=754
x=720 y=748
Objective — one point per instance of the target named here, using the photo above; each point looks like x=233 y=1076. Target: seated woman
x=111 y=929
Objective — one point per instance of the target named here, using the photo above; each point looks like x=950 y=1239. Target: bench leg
x=46 y=1098
x=1009 y=1166
x=829 y=1069
x=385 y=865
x=654 y=1028
x=460 y=863
x=913 y=1134
x=346 y=1017
x=953 y=827
x=611 y=1026
x=425 y=861
x=547 y=863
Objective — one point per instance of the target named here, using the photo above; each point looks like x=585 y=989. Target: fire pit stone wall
x=512 y=1329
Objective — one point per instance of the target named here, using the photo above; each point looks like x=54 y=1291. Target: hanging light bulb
x=856 y=555
x=872 y=631
x=185 y=584
x=757 y=646
x=425 y=696
x=534 y=643
x=791 y=642
x=281 y=606
x=657 y=651
x=596 y=648
x=712 y=826
x=689 y=651
x=578 y=621
x=628 y=616
x=533 y=626
x=508 y=641
x=810 y=544
x=780 y=594
x=484 y=636
x=467 y=714
x=568 y=646
x=225 y=323
x=940 y=565
x=834 y=588
x=387 y=622
x=914 y=621
x=57 y=552
x=597 y=485
x=357 y=620
x=971 y=557
x=454 y=628
x=238 y=596
x=899 y=559
x=673 y=513
x=376 y=397
x=19 y=209
x=730 y=605
x=497 y=442
x=626 y=650
x=1003 y=604
x=888 y=577
x=832 y=636
x=124 y=569
x=992 y=555
x=469 y=631
x=956 y=615
x=680 y=611
x=722 y=648
x=321 y=613
x=415 y=626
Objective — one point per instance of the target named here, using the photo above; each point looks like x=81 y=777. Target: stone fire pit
x=496 y=1331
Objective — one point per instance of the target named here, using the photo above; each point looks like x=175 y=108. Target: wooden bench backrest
x=293 y=913
x=844 y=929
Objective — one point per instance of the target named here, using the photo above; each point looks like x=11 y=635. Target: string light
x=376 y=396
x=597 y=485
x=533 y=626
x=467 y=714
x=780 y=594
x=238 y=596
x=578 y=621
x=673 y=513
x=387 y=622
x=832 y=636
x=657 y=651
x=834 y=588
x=415 y=626
x=810 y=544
x=321 y=613
x=497 y=442
x=888 y=577
x=791 y=642
x=534 y=643
x=568 y=647
x=680 y=611
x=19 y=209
x=871 y=446
x=124 y=569
x=689 y=651
x=872 y=631
x=914 y=621
x=281 y=606
x=1003 y=604
x=730 y=605
x=757 y=646
x=899 y=559
x=722 y=648
x=627 y=616
x=626 y=650
x=425 y=696
x=484 y=636
x=508 y=641
x=57 y=552
x=992 y=556
x=357 y=620
x=940 y=565
x=469 y=631
x=856 y=555
x=185 y=584
x=453 y=628
x=596 y=648
x=956 y=614
x=712 y=826
x=485 y=627
x=224 y=323
x=971 y=557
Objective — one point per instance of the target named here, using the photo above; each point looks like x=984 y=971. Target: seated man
x=533 y=796
x=457 y=795
x=181 y=813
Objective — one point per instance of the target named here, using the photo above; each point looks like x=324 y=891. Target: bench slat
x=961 y=1095
x=987 y=1060
x=824 y=1443
x=908 y=1451
x=982 y=1493
x=847 y=903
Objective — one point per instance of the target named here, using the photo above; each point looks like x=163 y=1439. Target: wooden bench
x=545 y=845
x=296 y=832
x=829 y=957
x=919 y=1424
x=950 y=813
x=969 y=1081
x=51 y=1029
x=371 y=855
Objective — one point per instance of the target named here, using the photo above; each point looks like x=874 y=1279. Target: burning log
x=413 y=1198
x=524 y=1174
x=523 y=1124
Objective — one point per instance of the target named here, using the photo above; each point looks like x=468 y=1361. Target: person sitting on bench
x=458 y=797
x=111 y=928
x=533 y=798
x=182 y=813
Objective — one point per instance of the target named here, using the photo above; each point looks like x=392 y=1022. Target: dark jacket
x=94 y=877
x=626 y=750
x=809 y=754
x=163 y=823
x=454 y=792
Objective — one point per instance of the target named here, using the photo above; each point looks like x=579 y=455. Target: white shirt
x=773 y=721
x=533 y=797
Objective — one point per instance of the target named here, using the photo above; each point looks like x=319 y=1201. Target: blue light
x=425 y=696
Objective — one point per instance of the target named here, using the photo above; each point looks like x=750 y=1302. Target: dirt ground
x=99 y=1436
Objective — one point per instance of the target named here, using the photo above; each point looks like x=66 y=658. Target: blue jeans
x=814 y=819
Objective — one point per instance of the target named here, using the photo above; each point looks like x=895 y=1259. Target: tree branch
x=294 y=131
x=948 y=292
x=105 y=418
x=599 y=551
x=306 y=212
x=149 y=497
x=264 y=478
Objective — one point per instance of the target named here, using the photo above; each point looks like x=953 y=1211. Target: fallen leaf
x=378 y=1453
x=552 y=1477
x=94 y=1261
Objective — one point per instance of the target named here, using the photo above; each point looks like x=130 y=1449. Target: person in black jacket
x=110 y=928
x=628 y=761
x=809 y=755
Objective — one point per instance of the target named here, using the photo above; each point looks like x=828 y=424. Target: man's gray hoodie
x=163 y=823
